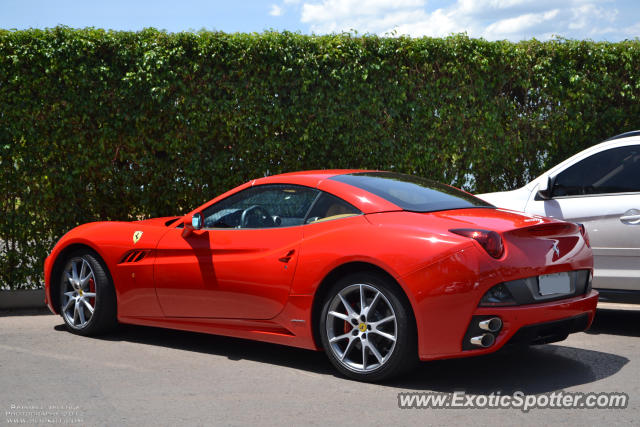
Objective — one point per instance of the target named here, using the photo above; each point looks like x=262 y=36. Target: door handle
x=631 y=216
x=287 y=257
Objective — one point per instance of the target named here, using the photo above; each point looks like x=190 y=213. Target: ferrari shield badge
x=136 y=236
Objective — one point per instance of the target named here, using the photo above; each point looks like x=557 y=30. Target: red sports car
x=379 y=269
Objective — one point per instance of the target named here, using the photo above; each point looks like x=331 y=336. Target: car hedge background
x=105 y=125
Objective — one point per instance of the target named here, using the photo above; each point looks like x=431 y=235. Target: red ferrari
x=379 y=269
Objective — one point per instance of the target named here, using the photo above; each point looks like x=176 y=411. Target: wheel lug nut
x=355 y=332
x=354 y=322
x=363 y=318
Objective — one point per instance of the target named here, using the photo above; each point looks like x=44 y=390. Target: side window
x=264 y=206
x=329 y=207
x=612 y=171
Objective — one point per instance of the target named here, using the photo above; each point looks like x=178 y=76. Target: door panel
x=226 y=273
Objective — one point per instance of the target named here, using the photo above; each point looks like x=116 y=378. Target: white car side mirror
x=545 y=189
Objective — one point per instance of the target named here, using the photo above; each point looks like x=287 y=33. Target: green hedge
x=98 y=125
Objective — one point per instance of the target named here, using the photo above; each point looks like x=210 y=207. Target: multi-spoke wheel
x=87 y=301
x=366 y=328
x=79 y=297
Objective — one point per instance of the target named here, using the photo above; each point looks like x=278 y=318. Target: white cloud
x=580 y=19
x=491 y=19
x=633 y=30
x=275 y=10
x=336 y=10
x=519 y=25
x=438 y=23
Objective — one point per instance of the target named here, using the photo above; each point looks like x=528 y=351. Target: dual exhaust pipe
x=492 y=326
x=484 y=340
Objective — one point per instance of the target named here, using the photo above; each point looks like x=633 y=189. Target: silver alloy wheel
x=361 y=328
x=79 y=297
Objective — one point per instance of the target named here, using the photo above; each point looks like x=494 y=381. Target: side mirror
x=192 y=224
x=545 y=190
x=196 y=221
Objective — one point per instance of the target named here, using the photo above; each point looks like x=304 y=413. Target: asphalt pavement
x=150 y=376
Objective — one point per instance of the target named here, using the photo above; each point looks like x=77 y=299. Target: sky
x=608 y=20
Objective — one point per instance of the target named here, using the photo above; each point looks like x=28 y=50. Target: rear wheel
x=366 y=328
x=88 y=301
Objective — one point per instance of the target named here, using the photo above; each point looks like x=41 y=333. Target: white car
x=599 y=188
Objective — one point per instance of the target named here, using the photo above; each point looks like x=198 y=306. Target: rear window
x=412 y=193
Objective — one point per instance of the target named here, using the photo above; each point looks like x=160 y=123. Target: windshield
x=412 y=193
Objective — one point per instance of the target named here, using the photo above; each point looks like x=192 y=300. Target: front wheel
x=88 y=301
x=367 y=329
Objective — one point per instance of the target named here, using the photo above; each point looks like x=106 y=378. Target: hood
x=516 y=199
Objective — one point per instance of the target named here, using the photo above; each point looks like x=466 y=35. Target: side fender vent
x=134 y=256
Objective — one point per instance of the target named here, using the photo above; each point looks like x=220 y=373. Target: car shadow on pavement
x=532 y=370
x=232 y=348
x=536 y=369
x=616 y=322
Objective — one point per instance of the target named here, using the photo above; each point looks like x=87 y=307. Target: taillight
x=489 y=240
x=585 y=235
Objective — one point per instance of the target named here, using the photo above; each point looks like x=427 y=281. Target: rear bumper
x=533 y=324
x=548 y=332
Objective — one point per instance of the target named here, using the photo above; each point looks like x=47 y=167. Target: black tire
x=401 y=354
x=104 y=316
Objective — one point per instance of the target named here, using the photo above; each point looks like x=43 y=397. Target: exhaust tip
x=492 y=325
x=484 y=340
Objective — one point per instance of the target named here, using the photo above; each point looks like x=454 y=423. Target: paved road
x=149 y=376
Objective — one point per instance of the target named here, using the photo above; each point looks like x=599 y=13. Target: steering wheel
x=254 y=216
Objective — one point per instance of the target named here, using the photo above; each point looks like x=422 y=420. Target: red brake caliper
x=347 y=327
x=92 y=289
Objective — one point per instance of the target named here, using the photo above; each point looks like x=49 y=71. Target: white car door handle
x=630 y=219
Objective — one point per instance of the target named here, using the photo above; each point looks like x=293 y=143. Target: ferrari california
x=378 y=269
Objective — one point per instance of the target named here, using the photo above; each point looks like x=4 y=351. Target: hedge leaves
x=103 y=125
